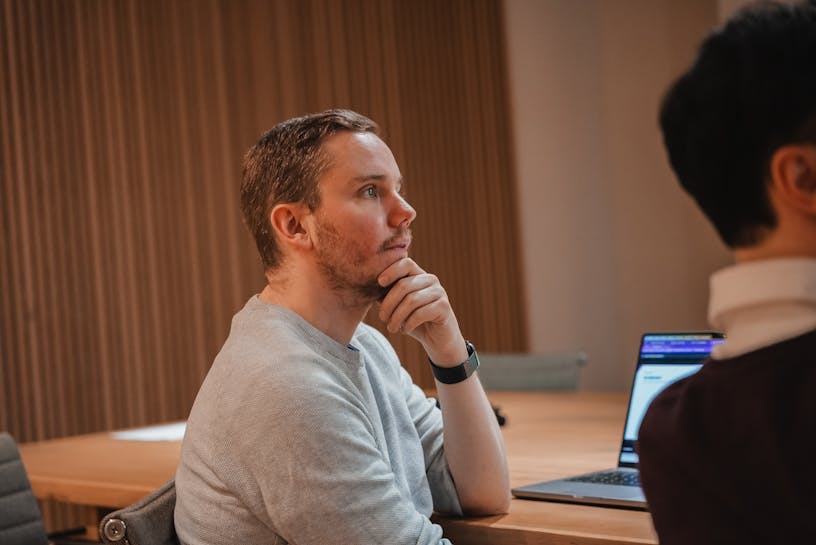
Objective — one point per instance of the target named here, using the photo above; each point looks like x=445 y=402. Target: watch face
x=473 y=360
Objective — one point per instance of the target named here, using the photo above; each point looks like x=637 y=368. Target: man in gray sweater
x=307 y=430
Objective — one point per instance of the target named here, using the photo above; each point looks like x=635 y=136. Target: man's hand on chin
x=418 y=305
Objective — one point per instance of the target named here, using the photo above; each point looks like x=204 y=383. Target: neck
x=793 y=236
x=745 y=255
x=788 y=239
x=336 y=314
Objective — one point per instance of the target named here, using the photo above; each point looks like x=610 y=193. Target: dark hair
x=751 y=90
x=284 y=167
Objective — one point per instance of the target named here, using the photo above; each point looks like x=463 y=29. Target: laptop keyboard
x=625 y=478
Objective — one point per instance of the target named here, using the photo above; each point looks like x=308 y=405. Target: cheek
x=365 y=244
x=366 y=232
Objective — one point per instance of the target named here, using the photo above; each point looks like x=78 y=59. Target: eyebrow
x=376 y=177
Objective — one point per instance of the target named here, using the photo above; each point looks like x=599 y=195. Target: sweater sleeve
x=428 y=422
x=328 y=482
x=427 y=419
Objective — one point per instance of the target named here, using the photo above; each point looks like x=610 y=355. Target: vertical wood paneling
x=122 y=129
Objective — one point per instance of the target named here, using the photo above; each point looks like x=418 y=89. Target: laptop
x=664 y=358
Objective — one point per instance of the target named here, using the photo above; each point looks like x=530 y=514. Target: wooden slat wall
x=122 y=128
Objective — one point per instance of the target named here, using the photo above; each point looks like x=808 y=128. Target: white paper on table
x=163 y=432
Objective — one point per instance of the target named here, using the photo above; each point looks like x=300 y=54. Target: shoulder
x=279 y=341
x=666 y=413
x=270 y=366
x=275 y=402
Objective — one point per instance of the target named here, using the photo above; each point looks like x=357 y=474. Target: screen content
x=664 y=359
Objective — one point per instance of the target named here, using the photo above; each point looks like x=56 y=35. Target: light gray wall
x=612 y=246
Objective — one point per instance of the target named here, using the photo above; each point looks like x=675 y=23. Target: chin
x=372 y=291
x=381 y=292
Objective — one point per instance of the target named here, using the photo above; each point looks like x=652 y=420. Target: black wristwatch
x=452 y=375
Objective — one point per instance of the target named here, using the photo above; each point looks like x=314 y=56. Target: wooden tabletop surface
x=547 y=435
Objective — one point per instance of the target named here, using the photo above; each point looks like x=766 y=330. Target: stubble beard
x=341 y=262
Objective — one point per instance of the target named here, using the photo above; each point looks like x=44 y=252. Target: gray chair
x=554 y=372
x=20 y=519
x=146 y=522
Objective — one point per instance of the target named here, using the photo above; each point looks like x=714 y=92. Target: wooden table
x=97 y=470
x=547 y=435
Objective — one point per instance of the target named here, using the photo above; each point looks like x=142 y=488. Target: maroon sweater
x=728 y=455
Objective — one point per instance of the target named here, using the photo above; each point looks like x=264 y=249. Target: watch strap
x=458 y=373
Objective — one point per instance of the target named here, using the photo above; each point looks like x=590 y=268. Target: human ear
x=287 y=224
x=793 y=175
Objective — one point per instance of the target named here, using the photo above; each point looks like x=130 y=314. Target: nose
x=401 y=212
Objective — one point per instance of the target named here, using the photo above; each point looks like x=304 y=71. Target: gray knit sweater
x=296 y=438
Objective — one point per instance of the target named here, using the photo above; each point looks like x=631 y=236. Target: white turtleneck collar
x=760 y=303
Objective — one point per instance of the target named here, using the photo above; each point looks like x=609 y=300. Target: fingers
x=418 y=305
x=399 y=309
x=412 y=290
x=399 y=269
x=433 y=312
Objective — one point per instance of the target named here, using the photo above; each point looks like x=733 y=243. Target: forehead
x=356 y=154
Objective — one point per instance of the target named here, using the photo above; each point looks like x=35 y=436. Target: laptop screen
x=664 y=358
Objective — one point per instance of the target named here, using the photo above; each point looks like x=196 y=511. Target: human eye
x=370 y=192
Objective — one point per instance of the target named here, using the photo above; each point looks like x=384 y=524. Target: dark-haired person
x=306 y=429
x=726 y=455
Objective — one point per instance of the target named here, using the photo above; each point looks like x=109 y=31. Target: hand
x=418 y=305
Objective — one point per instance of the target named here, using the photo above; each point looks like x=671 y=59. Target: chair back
x=146 y=522
x=20 y=519
x=554 y=372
